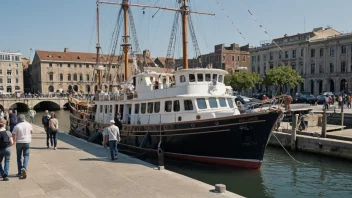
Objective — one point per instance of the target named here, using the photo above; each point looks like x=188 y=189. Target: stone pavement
x=81 y=169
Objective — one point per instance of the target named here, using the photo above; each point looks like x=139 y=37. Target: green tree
x=282 y=76
x=242 y=80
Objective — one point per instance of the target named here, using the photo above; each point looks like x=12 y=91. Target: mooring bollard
x=293 y=131
x=324 y=122
x=160 y=157
x=220 y=188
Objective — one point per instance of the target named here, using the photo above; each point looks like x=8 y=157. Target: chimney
x=66 y=49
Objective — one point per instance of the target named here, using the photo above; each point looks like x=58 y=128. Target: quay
x=82 y=169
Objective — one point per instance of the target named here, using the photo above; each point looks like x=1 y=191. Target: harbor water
x=279 y=176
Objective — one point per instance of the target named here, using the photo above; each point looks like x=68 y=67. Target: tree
x=282 y=76
x=242 y=80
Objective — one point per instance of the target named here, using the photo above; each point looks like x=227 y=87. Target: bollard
x=323 y=128
x=342 y=119
x=293 y=131
x=220 y=188
x=160 y=157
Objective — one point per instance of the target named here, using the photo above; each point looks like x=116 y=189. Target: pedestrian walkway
x=81 y=169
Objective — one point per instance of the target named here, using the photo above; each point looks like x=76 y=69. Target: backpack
x=55 y=125
x=4 y=140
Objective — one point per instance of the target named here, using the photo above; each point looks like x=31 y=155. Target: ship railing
x=115 y=96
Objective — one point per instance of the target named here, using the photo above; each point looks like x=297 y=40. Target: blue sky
x=56 y=24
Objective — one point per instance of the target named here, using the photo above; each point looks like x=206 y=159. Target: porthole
x=179 y=118
x=192 y=125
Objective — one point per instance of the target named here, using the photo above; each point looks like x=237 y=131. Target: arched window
x=61 y=77
x=69 y=77
x=87 y=77
x=182 y=78
x=80 y=77
x=75 y=77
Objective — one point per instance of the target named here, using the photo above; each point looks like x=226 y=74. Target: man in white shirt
x=112 y=137
x=22 y=135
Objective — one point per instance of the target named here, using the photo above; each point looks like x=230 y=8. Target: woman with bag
x=53 y=127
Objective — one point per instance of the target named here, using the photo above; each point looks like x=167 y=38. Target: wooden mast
x=125 y=45
x=184 y=33
x=100 y=73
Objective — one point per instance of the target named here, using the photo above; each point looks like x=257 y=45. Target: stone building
x=26 y=74
x=53 y=71
x=323 y=57
x=11 y=72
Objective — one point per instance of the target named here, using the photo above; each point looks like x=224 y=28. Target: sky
x=53 y=25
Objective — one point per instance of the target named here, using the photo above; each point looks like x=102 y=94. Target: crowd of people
x=18 y=95
x=14 y=129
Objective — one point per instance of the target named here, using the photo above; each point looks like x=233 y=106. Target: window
x=156 y=107
x=168 y=106
x=200 y=77
x=220 y=79
x=321 y=51
x=343 y=49
x=9 y=64
x=233 y=58
x=286 y=54
x=332 y=51
x=16 y=64
x=80 y=77
x=271 y=66
x=243 y=58
x=321 y=69
x=312 y=68
x=0 y=71
x=271 y=56
x=293 y=53
x=343 y=66
x=258 y=58
x=176 y=105
x=253 y=59
x=280 y=55
x=110 y=108
x=51 y=76
x=69 y=65
x=61 y=77
x=69 y=77
x=87 y=76
x=302 y=50
x=222 y=102
x=143 y=108
x=9 y=72
x=215 y=77
x=106 y=109
x=75 y=77
x=188 y=105
x=201 y=103
x=192 y=78
x=182 y=78
x=16 y=80
x=87 y=66
x=1 y=81
x=101 y=108
x=332 y=69
x=136 y=108
x=212 y=102
x=50 y=64
x=16 y=71
x=229 y=100
x=150 y=107
x=80 y=65
x=238 y=58
x=312 y=53
x=74 y=65
x=8 y=80
x=207 y=77
x=60 y=64
x=264 y=57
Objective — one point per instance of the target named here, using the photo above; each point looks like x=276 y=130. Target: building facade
x=11 y=72
x=323 y=57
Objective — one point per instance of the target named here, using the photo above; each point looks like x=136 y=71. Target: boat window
x=106 y=108
x=101 y=108
x=229 y=100
x=220 y=79
x=201 y=103
x=150 y=107
x=207 y=77
x=215 y=77
x=200 y=77
x=192 y=78
x=168 y=106
x=212 y=102
x=143 y=108
x=222 y=102
x=176 y=105
x=188 y=105
x=182 y=78
x=156 y=107
x=110 y=108
x=136 y=109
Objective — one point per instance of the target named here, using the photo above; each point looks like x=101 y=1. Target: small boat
x=189 y=114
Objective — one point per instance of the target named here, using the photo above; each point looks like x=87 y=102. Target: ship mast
x=99 y=70
x=125 y=45
x=184 y=33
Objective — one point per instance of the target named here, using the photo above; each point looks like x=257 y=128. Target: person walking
x=53 y=128
x=22 y=135
x=5 y=151
x=45 y=122
x=349 y=100
x=12 y=120
x=112 y=137
x=32 y=113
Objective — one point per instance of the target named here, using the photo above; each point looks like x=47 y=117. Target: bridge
x=26 y=103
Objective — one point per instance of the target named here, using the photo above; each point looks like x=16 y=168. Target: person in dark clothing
x=45 y=122
x=118 y=122
x=12 y=120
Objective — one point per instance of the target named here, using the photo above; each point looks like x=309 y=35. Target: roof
x=83 y=57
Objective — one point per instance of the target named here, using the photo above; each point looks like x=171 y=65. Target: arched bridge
x=56 y=103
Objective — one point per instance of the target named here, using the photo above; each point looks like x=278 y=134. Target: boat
x=188 y=114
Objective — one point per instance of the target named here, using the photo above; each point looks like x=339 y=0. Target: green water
x=279 y=175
